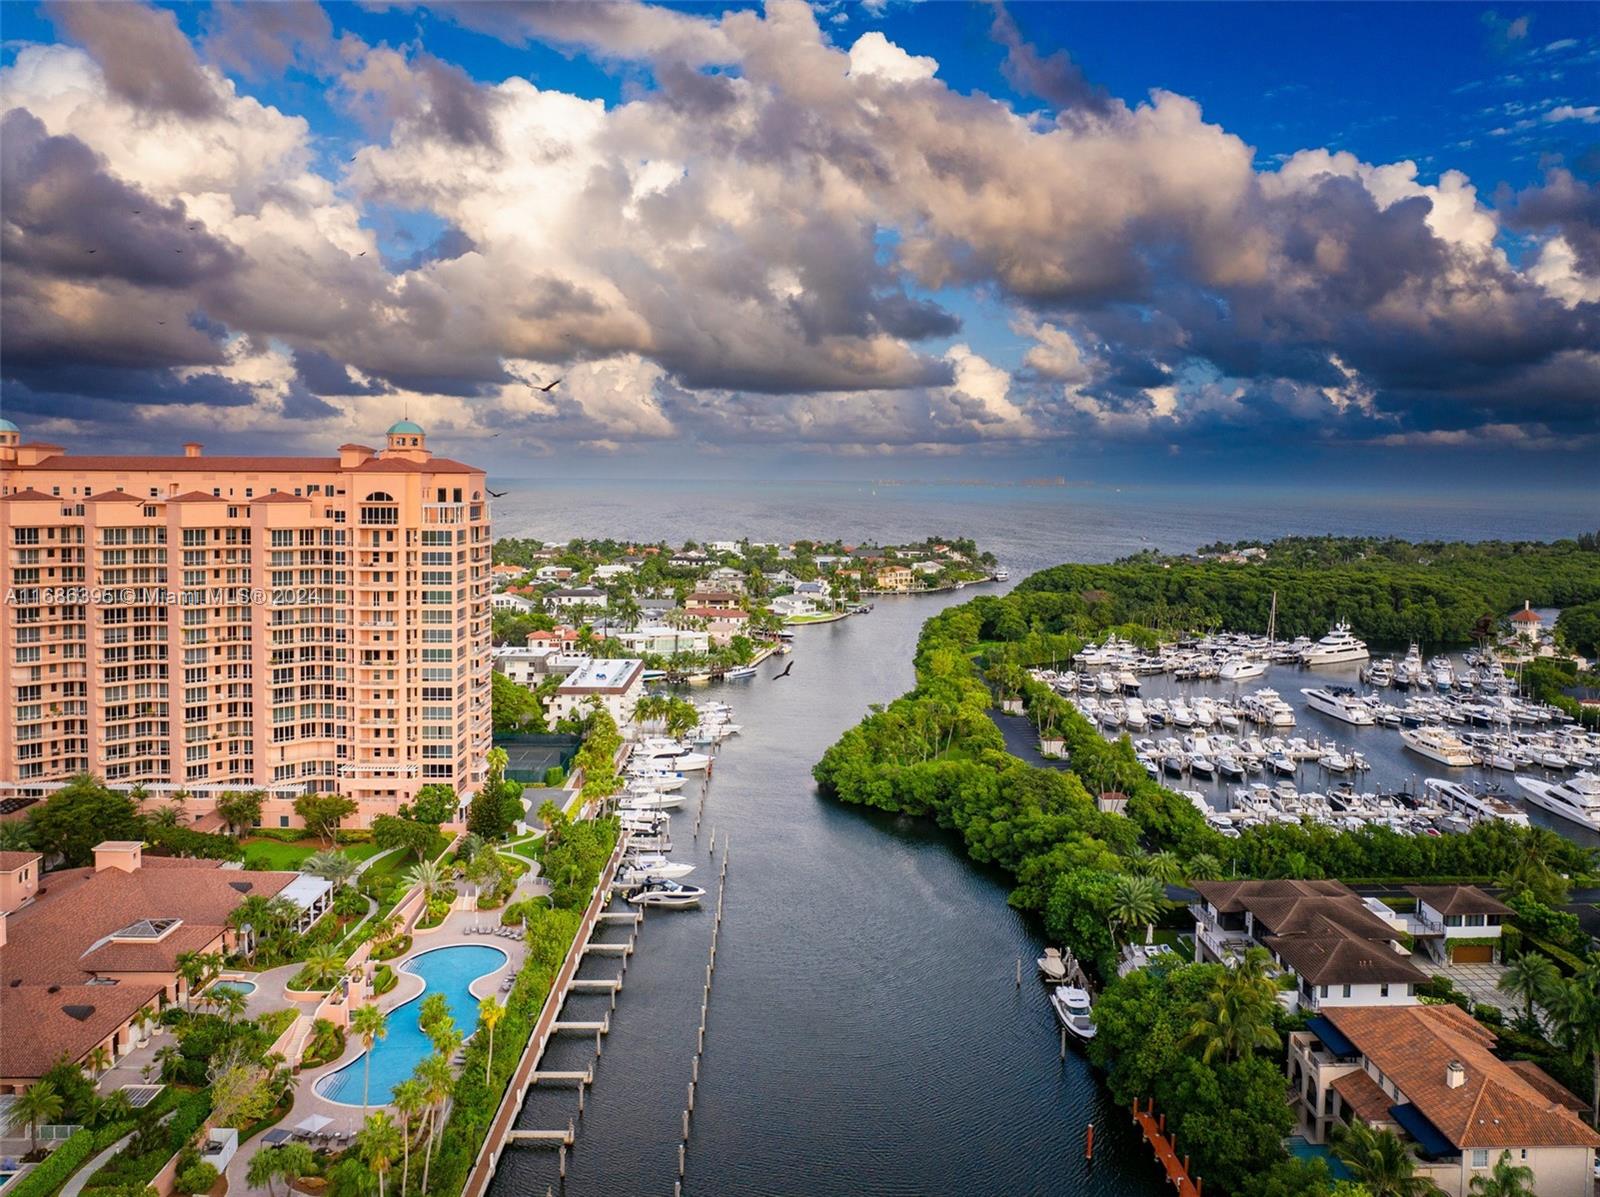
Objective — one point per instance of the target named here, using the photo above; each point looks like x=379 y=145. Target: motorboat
x=1576 y=799
x=637 y=870
x=1336 y=648
x=1437 y=744
x=1409 y=672
x=739 y=672
x=1051 y=966
x=1229 y=766
x=1074 y=1010
x=650 y=800
x=1339 y=702
x=1239 y=669
x=655 y=780
x=1282 y=763
x=669 y=755
x=661 y=891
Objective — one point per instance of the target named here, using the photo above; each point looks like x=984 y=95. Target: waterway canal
x=865 y=1034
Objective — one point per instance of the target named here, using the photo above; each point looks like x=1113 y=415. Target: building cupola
x=10 y=438
x=406 y=439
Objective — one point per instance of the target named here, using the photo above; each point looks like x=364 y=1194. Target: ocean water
x=1029 y=528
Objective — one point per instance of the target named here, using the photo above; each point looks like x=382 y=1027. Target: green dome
x=7 y=426
x=405 y=428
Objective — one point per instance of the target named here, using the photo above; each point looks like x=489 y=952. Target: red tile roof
x=196 y=496
x=280 y=496
x=1496 y=1106
x=10 y=862
x=1363 y=1095
x=258 y=465
x=29 y=496
x=52 y=1031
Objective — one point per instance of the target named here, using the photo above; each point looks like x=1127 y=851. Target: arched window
x=379 y=508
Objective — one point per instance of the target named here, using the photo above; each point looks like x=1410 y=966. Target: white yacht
x=636 y=870
x=658 y=891
x=1336 y=648
x=650 y=800
x=1437 y=744
x=670 y=755
x=1452 y=795
x=1410 y=672
x=1239 y=669
x=1339 y=702
x=1051 y=966
x=1577 y=798
x=1073 y=1008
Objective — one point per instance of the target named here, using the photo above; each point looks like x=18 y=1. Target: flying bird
x=551 y=387
x=91 y=251
x=785 y=672
x=497 y=494
x=362 y=254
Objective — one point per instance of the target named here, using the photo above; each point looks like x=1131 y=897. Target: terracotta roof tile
x=29 y=496
x=1362 y=1094
x=1227 y=896
x=1496 y=1106
x=280 y=496
x=1338 y=957
x=10 y=862
x=258 y=465
x=97 y=1011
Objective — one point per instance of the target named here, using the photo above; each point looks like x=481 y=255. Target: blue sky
x=1051 y=238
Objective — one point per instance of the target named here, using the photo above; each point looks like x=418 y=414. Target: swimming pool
x=245 y=987
x=443 y=970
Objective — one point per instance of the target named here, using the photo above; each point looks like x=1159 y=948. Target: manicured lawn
x=274 y=854
x=1181 y=942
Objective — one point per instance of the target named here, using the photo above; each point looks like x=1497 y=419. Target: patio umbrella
x=312 y=1123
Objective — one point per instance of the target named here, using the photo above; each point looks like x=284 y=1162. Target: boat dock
x=1166 y=1149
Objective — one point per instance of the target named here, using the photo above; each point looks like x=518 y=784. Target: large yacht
x=1577 y=799
x=1336 y=648
x=1455 y=796
x=1074 y=1010
x=1340 y=702
x=1437 y=744
x=1409 y=672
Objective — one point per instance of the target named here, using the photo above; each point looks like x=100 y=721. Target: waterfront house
x=87 y=953
x=612 y=683
x=566 y=598
x=1526 y=623
x=781 y=579
x=504 y=573
x=713 y=600
x=689 y=559
x=792 y=606
x=894 y=577
x=1429 y=1074
x=1459 y=924
x=513 y=602
x=725 y=546
x=1330 y=947
x=659 y=639
x=722 y=624
x=725 y=578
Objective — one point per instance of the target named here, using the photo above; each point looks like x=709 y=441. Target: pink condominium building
x=289 y=624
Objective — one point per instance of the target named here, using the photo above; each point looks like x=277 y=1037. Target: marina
x=1255 y=731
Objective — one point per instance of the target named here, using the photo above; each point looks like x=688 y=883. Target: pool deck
x=268 y=996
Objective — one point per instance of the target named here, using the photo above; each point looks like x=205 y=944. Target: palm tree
x=38 y=1103
x=323 y=965
x=438 y=1082
x=165 y=817
x=191 y=967
x=331 y=866
x=1575 y=1007
x=1136 y=900
x=114 y=1107
x=408 y=1099
x=427 y=874
x=294 y=1161
x=1533 y=977
x=229 y=1001
x=263 y=1170
x=490 y=1012
x=1505 y=1179
x=1380 y=1161
x=169 y=1059
x=1204 y=867
x=1236 y=1017
x=98 y=1059
x=372 y=1024
x=378 y=1141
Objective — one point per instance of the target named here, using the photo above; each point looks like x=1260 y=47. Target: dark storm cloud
x=446 y=247
x=65 y=215
x=322 y=374
x=1054 y=78
x=68 y=387
x=1564 y=204
x=259 y=39
x=145 y=56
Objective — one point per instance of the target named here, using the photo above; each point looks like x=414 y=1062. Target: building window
x=1383 y=990
x=283 y=820
x=1347 y=989
x=1480 y=1157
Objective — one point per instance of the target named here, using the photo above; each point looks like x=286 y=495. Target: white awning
x=312 y=1123
x=305 y=890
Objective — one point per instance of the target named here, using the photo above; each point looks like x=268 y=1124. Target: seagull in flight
x=551 y=387
x=785 y=672
x=497 y=494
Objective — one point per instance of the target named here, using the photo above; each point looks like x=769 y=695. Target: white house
x=616 y=683
x=1460 y=924
x=789 y=606
x=552 y=573
x=604 y=573
x=513 y=602
x=663 y=640
x=724 y=546
x=577 y=596
x=1334 y=950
